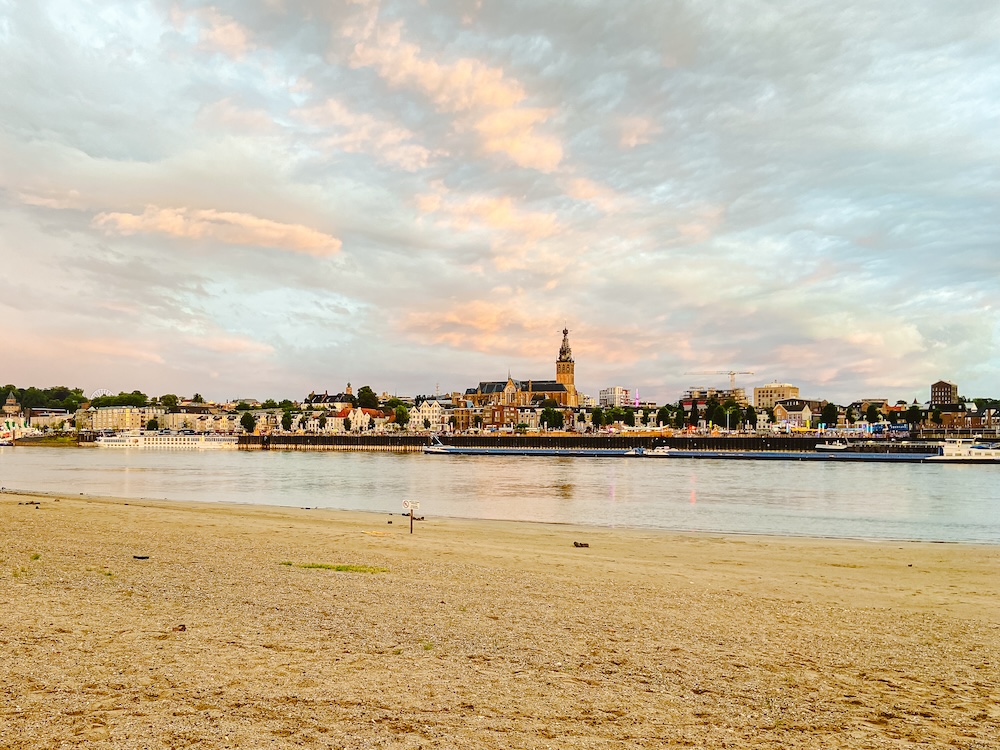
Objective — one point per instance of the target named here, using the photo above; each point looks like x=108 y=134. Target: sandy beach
x=142 y=624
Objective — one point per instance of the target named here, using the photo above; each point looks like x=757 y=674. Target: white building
x=615 y=396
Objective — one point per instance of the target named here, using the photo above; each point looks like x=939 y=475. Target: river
x=957 y=503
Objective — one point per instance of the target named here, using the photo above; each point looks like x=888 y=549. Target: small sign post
x=411 y=505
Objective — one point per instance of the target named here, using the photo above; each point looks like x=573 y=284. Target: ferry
x=146 y=440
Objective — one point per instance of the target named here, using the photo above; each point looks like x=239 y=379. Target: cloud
x=216 y=32
x=223 y=344
x=363 y=133
x=479 y=94
x=222 y=226
x=636 y=131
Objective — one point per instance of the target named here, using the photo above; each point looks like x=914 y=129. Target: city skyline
x=276 y=197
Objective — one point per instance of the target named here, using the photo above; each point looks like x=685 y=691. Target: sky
x=263 y=198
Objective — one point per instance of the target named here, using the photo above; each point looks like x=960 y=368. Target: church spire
x=565 y=353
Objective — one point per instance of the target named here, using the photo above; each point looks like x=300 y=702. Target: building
x=12 y=424
x=123 y=417
x=766 y=396
x=797 y=412
x=516 y=393
x=943 y=392
x=614 y=397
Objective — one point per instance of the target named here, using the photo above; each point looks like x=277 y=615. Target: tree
x=452 y=422
x=402 y=415
x=663 y=416
x=427 y=423
x=597 y=417
x=286 y=421
x=196 y=398
x=322 y=422
x=914 y=415
x=550 y=403
x=242 y=406
x=851 y=416
x=169 y=400
x=829 y=415
x=247 y=421
x=751 y=417
x=629 y=418
x=552 y=418
x=269 y=404
x=152 y=425
x=936 y=417
x=367 y=398
x=478 y=420
x=393 y=402
x=693 y=416
x=871 y=414
x=286 y=404
x=679 y=418
x=347 y=424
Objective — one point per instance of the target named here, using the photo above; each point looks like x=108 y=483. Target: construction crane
x=731 y=373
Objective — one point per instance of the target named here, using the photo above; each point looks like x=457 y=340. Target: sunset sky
x=266 y=198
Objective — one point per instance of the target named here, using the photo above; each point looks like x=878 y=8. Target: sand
x=475 y=634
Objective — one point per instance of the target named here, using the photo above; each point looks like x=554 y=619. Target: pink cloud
x=480 y=95
x=362 y=133
x=228 y=114
x=222 y=226
x=636 y=131
x=216 y=32
x=231 y=345
x=480 y=211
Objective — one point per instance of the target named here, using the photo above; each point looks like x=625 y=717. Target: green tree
x=427 y=423
x=851 y=416
x=286 y=404
x=347 y=424
x=402 y=415
x=269 y=404
x=597 y=417
x=829 y=415
x=197 y=398
x=367 y=398
x=751 y=417
x=169 y=400
x=629 y=417
x=663 y=416
x=286 y=421
x=394 y=402
x=914 y=415
x=871 y=414
x=322 y=422
x=693 y=416
x=152 y=425
x=936 y=417
x=478 y=420
x=552 y=418
x=242 y=406
x=247 y=422
x=550 y=403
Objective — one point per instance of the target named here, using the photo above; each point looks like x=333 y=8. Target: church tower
x=565 y=370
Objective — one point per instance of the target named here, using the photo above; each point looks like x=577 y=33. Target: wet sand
x=479 y=634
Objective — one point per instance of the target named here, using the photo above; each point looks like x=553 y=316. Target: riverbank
x=166 y=624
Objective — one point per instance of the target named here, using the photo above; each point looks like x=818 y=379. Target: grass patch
x=342 y=568
x=36 y=556
x=285 y=562
x=427 y=645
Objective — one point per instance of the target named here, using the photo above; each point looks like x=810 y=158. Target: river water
x=958 y=503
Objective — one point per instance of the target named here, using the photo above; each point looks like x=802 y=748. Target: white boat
x=144 y=440
x=836 y=445
x=968 y=452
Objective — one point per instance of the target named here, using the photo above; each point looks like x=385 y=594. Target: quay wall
x=416 y=443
